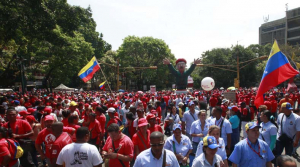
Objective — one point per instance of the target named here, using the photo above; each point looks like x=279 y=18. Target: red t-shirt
x=6 y=149
x=123 y=146
x=113 y=120
x=158 y=110
x=19 y=127
x=65 y=122
x=136 y=140
x=213 y=102
x=131 y=130
x=95 y=129
x=268 y=104
x=102 y=119
x=74 y=135
x=63 y=140
x=224 y=109
x=155 y=128
x=274 y=106
x=48 y=138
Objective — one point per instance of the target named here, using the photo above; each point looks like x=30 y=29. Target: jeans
x=210 y=110
x=195 y=146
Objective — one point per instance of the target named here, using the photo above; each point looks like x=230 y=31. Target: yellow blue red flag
x=88 y=71
x=278 y=70
x=102 y=85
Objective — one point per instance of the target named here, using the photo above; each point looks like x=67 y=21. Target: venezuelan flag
x=87 y=72
x=102 y=85
x=278 y=70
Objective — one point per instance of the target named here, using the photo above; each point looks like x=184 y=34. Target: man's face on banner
x=181 y=66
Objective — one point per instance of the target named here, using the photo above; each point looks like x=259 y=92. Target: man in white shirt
x=177 y=101
x=80 y=153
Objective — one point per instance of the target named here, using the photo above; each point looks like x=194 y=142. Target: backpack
x=18 y=149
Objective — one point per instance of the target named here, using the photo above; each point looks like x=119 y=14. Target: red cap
x=30 y=118
x=31 y=110
x=48 y=110
x=24 y=112
x=142 y=122
x=95 y=104
x=115 y=106
x=150 y=116
x=181 y=59
x=49 y=118
x=86 y=105
x=234 y=108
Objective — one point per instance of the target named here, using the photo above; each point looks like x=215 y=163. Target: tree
x=146 y=52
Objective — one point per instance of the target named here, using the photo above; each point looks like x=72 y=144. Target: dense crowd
x=148 y=129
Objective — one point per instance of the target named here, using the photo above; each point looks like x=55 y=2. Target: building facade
x=285 y=30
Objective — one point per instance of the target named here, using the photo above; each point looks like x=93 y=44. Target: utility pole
x=238 y=71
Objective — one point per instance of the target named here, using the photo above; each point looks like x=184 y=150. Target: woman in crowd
x=268 y=130
x=174 y=115
x=131 y=130
x=141 y=139
x=209 y=156
x=179 y=144
x=199 y=129
x=163 y=106
x=180 y=109
x=221 y=151
x=235 y=122
x=72 y=122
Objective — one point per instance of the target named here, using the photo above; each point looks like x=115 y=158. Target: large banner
x=153 y=88
x=230 y=96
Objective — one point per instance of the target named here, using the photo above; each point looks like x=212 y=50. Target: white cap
x=111 y=110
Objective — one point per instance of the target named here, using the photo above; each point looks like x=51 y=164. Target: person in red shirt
x=62 y=139
x=66 y=114
x=102 y=119
x=73 y=121
x=158 y=109
x=286 y=99
x=212 y=103
x=141 y=139
x=95 y=130
x=19 y=129
x=151 y=118
x=112 y=118
x=7 y=150
x=118 y=147
x=131 y=130
x=274 y=106
x=224 y=107
x=46 y=136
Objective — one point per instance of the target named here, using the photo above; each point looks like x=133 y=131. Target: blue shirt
x=244 y=156
x=196 y=129
x=189 y=119
x=235 y=121
x=146 y=159
x=182 y=148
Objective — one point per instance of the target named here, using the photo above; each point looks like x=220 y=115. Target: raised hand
x=197 y=61
x=166 y=61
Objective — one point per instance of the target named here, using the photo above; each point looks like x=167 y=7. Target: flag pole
x=105 y=79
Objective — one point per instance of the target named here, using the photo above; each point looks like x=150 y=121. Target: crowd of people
x=92 y=128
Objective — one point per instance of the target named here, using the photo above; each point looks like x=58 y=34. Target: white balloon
x=207 y=83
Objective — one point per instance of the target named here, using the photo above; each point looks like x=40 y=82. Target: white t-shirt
x=78 y=155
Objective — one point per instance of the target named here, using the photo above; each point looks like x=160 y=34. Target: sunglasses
x=157 y=145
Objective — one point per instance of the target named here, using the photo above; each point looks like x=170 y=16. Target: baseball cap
x=233 y=108
x=210 y=141
x=142 y=122
x=17 y=102
x=224 y=101
x=30 y=118
x=150 y=116
x=180 y=104
x=111 y=110
x=49 y=118
x=24 y=112
x=48 y=110
x=191 y=103
x=73 y=103
x=177 y=126
x=31 y=110
x=86 y=105
x=251 y=125
x=94 y=103
x=287 y=105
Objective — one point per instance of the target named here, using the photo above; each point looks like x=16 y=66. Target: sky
x=189 y=27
